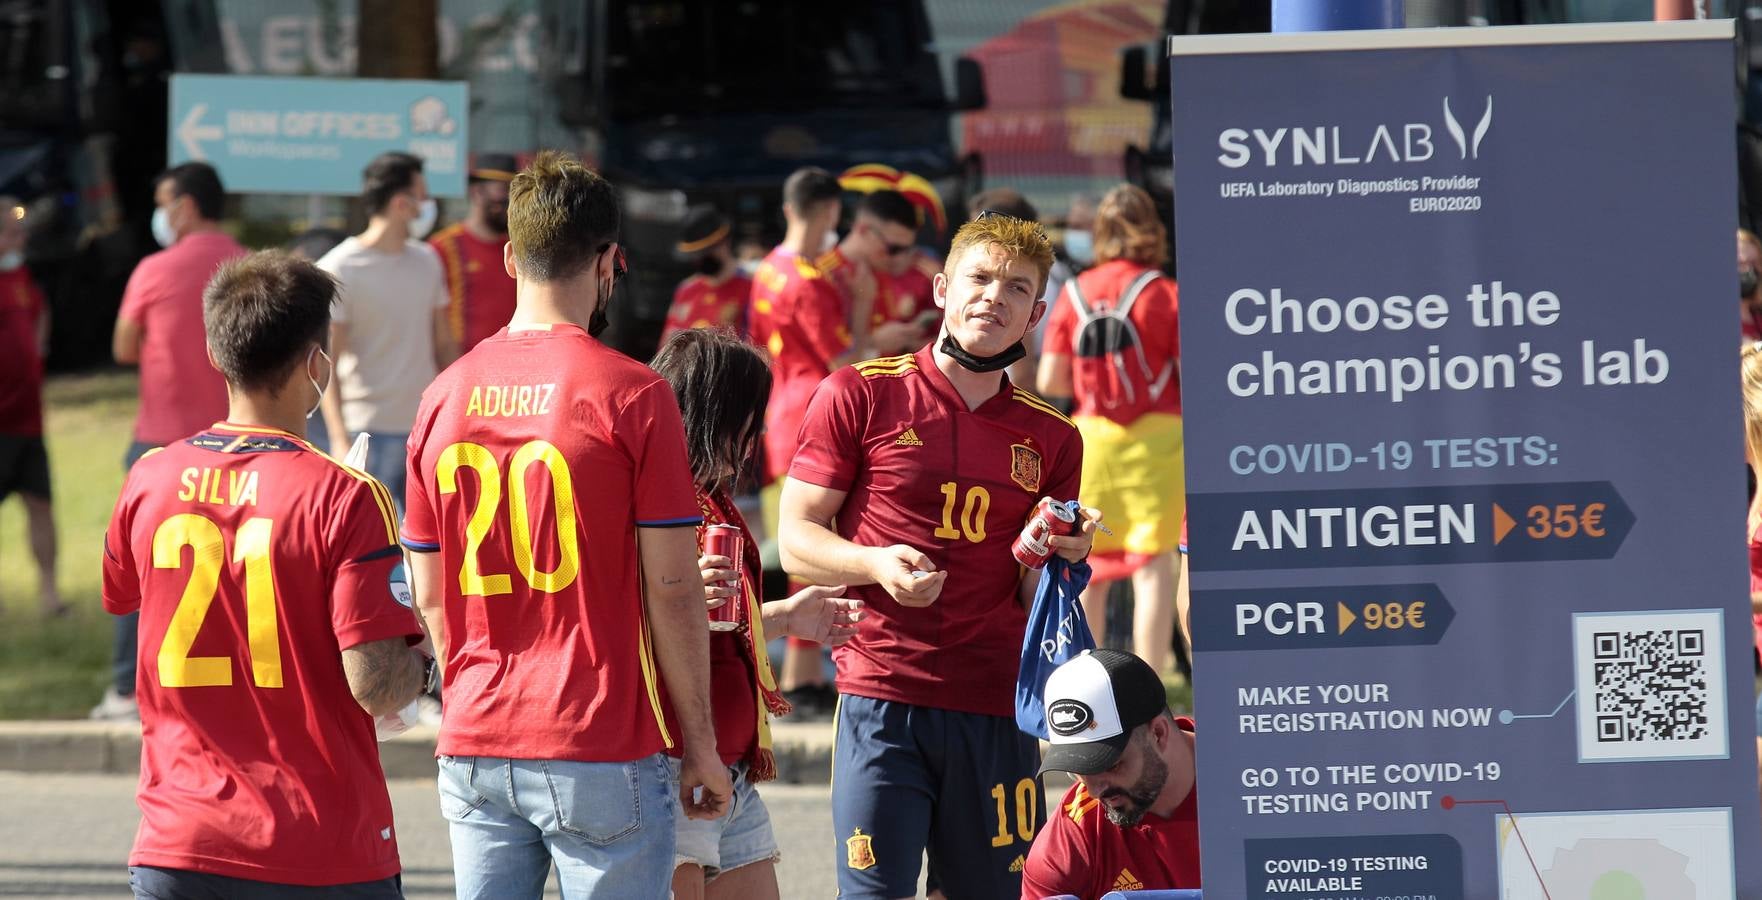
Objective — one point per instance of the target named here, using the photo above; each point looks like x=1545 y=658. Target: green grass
x=1180 y=693
x=58 y=669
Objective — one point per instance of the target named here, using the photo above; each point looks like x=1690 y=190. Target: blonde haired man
x=913 y=476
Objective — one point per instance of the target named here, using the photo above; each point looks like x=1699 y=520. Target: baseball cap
x=494 y=167
x=1093 y=704
x=705 y=226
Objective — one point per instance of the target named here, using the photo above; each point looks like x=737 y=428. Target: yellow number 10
x=972 y=522
x=250 y=546
x=478 y=458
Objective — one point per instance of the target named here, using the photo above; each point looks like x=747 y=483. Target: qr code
x=1650 y=685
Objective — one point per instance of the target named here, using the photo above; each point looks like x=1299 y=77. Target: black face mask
x=982 y=363
x=496 y=217
x=600 y=320
x=709 y=264
x=1747 y=281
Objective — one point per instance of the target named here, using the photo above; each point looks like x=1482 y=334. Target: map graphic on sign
x=1667 y=854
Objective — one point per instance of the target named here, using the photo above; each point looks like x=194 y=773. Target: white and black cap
x=1093 y=704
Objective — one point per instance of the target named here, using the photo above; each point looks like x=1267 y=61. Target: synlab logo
x=1480 y=131
x=1328 y=145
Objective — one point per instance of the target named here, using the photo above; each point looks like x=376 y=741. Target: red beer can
x=1032 y=547
x=726 y=540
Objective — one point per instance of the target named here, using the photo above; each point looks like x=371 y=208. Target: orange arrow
x=1346 y=618
x=1502 y=524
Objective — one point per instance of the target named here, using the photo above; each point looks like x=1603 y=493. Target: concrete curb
x=803 y=750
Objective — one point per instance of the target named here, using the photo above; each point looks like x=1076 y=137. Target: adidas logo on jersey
x=908 y=438
x=1127 y=882
x=1017 y=864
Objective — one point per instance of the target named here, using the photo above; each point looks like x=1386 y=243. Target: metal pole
x=1336 y=15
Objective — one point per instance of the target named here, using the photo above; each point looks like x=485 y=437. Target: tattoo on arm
x=383 y=675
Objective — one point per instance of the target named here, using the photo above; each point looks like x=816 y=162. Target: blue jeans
x=608 y=827
x=385 y=461
x=122 y=649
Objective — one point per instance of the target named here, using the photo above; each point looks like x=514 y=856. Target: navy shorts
x=154 y=883
x=909 y=779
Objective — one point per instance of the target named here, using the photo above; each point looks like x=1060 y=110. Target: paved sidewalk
x=804 y=750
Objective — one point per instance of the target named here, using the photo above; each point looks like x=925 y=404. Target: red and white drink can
x=726 y=540
x=1033 y=547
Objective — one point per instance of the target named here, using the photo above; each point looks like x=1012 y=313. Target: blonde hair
x=1019 y=238
x=1751 y=367
x=1127 y=226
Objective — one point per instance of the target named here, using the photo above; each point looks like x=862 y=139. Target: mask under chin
x=982 y=363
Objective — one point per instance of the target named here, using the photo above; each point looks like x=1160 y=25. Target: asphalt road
x=68 y=836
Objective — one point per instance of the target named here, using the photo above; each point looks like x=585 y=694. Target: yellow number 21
x=208 y=557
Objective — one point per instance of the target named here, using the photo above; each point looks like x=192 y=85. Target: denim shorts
x=740 y=838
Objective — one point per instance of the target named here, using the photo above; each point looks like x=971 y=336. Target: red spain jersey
x=801 y=318
x=903 y=298
x=534 y=460
x=255 y=561
x=921 y=469
x=702 y=302
x=480 y=292
x=1079 y=852
x=21 y=366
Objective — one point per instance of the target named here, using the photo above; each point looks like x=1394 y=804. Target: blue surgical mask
x=1080 y=246
x=162 y=230
x=427 y=213
x=11 y=260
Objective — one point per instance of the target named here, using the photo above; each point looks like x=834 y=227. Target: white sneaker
x=116 y=708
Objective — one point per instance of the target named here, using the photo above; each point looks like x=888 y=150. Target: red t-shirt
x=903 y=298
x=181 y=392
x=1080 y=852
x=21 y=366
x=1116 y=386
x=921 y=469
x=480 y=295
x=702 y=302
x=533 y=461
x=801 y=318
x=255 y=561
x=734 y=686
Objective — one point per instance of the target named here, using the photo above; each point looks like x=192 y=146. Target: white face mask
x=162 y=230
x=11 y=260
x=427 y=213
x=330 y=364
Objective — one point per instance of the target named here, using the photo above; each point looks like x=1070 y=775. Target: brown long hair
x=1127 y=226
x=722 y=384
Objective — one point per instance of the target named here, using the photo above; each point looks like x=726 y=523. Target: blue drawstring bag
x=1057 y=632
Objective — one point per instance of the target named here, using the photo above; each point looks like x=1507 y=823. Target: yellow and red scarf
x=718 y=509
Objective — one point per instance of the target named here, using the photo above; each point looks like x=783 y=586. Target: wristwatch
x=431 y=674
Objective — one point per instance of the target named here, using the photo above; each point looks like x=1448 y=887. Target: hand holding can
x=727 y=541
x=1033 y=547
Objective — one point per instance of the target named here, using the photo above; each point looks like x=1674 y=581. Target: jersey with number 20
x=534 y=460
x=255 y=561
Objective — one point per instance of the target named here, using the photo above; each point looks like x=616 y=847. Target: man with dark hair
x=279 y=623
x=804 y=321
x=389 y=329
x=480 y=293
x=1130 y=823
x=24 y=458
x=885 y=229
x=159 y=328
x=554 y=614
x=716 y=294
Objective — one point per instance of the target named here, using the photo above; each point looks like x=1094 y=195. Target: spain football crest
x=859 y=852
x=1024 y=467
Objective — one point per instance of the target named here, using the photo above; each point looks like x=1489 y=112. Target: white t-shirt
x=388 y=301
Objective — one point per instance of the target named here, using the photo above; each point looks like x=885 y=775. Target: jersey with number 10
x=921 y=469
x=255 y=561
x=534 y=460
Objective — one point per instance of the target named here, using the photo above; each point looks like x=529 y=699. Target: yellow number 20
x=208 y=557
x=479 y=459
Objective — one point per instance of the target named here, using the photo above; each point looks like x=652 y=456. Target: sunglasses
x=620 y=263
